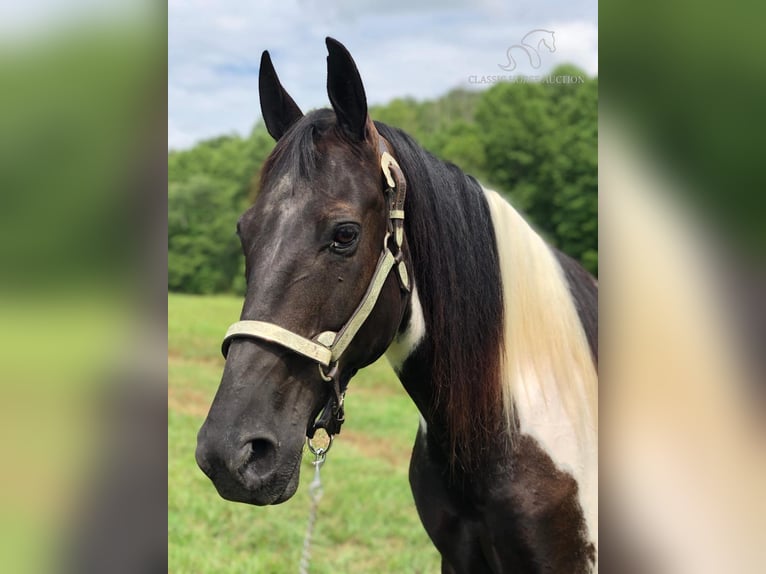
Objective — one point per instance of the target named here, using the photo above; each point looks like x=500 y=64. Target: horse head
x=311 y=242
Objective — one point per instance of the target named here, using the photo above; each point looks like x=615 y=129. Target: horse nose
x=251 y=462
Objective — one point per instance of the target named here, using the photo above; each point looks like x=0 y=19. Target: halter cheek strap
x=327 y=348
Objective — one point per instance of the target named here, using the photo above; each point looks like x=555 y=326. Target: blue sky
x=402 y=48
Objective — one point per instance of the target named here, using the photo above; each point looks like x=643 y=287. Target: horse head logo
x=531 y=44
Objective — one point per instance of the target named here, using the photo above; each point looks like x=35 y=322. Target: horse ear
x=345 y=89
x=279 y=110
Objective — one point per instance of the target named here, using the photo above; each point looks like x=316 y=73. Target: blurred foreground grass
x=367 y=520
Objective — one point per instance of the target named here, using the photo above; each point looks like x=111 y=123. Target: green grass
x=367 y=520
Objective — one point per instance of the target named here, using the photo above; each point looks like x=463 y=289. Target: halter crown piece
x=327 y=348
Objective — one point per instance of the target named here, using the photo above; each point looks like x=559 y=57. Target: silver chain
x=315 y=493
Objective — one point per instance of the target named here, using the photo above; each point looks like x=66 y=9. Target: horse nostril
x=260 y=449
x=259 y=463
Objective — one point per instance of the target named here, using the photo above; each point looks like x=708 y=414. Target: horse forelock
x=299 y=154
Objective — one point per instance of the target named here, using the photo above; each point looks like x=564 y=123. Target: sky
x=401 y=47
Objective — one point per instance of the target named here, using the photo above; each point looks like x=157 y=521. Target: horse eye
x=344 y=236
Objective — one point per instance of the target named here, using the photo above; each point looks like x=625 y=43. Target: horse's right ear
x=279 y=110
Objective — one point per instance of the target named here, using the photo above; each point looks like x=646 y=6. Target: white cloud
x=402 y=48
x=231 y=23
x=577 y=42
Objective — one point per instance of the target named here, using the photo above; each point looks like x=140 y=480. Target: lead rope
x=315 y=494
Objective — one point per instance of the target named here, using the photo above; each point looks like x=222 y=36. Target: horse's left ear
x=346 y=92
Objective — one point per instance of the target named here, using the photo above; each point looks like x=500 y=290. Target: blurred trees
x=536 y=142
x=203 y=249
x=541 y=147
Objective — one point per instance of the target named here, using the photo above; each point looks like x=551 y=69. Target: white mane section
x=549 y=378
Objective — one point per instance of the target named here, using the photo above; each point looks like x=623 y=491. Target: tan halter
x=328 y=347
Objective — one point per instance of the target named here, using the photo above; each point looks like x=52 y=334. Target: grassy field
x=367 y=520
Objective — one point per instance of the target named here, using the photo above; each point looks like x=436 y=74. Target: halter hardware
x=327 y=348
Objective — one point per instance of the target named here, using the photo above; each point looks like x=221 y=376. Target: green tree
x=541 y=148
x=203 y=249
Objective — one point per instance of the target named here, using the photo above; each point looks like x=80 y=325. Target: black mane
x=457 y=273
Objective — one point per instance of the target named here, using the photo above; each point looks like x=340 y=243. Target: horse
x=361 y=244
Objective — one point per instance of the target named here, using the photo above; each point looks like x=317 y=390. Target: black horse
x=361 y=243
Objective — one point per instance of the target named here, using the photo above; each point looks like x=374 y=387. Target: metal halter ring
x=331 y=374
x=319 y=452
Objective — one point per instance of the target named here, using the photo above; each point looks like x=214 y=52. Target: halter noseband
x=327 y=347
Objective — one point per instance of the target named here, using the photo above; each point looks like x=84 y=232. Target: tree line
x=535 y=142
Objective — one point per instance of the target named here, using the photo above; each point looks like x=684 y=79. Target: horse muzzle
x=254 y=471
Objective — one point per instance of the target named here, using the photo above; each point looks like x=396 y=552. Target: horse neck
x=412 y=356
x=538 y=287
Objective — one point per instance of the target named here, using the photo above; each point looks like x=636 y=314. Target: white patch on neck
x=423 y=426
x=550 y=381
x=405 y=343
